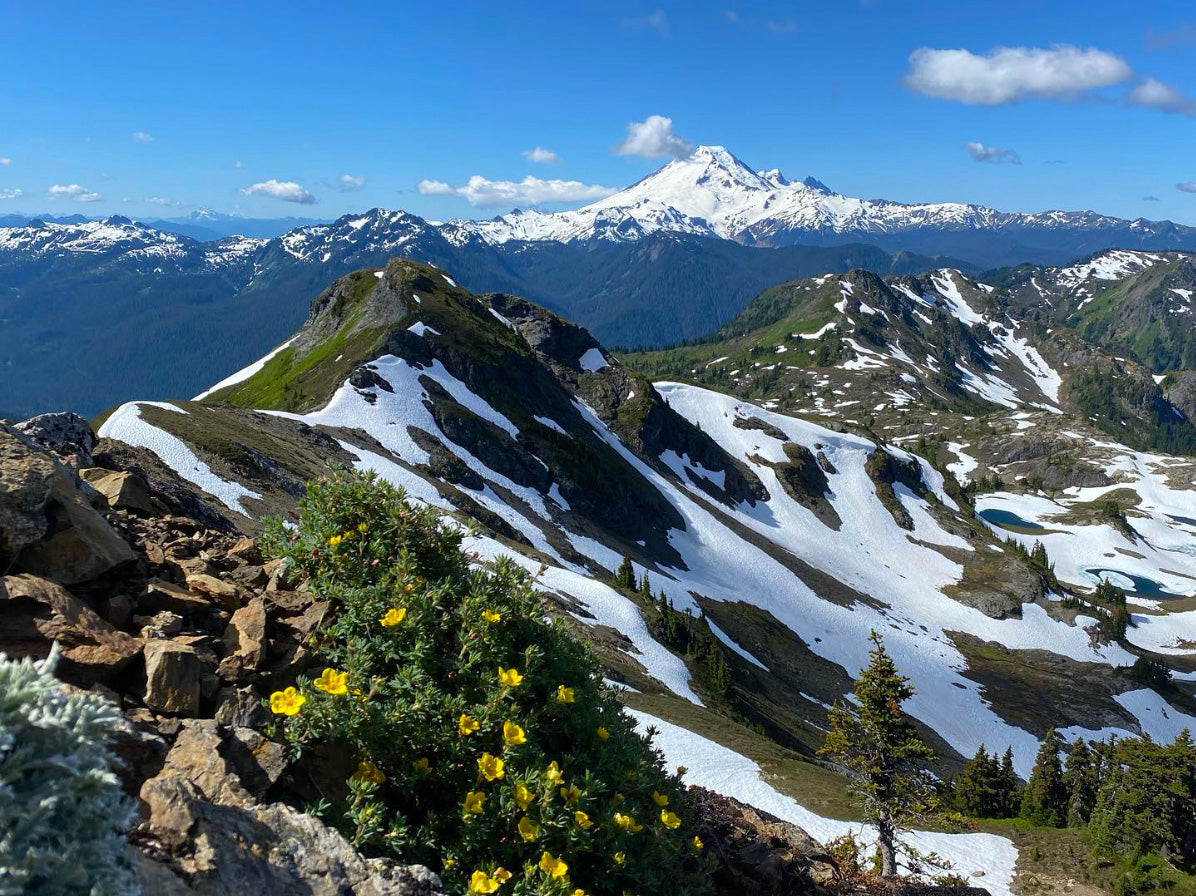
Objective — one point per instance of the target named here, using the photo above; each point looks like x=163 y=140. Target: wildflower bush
x=63 y=815
x=483 y=740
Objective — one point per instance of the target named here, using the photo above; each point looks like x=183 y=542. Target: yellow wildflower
x=528 y=829
x=475 y=800
x=422 y=765
x=513 y=735
x=553 y=772
x=491 y=767
x=570 y=794
x=368 y=773
x=409 y=587
x=660 y=799
x=286 y=703
x=394 y=616
x=510 y=677
x=564 y=694
x=628 y=823
x=449 y=863
x=361 y=527
x=602 y=733
x=467 y=726
x=670 y=819
x=523 y=796
x=335 y=540
x=583 y=820
x=481 y=882
x=552 y=866
x=491 y=616
x=698 y=844
x=333 y=682
x=502 y=875
x=579 y=892
x=620 y=858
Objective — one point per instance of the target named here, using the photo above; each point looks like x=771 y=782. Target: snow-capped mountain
x=712 y=193
x=119 y=238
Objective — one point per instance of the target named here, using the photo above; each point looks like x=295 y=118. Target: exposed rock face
x=68 y=435
x=47 y=526
x=172 y=673
x=123 y=490
x=207 y=834
x=762 y=854
x=35 y=612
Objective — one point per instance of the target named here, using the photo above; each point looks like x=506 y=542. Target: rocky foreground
x=158 y=602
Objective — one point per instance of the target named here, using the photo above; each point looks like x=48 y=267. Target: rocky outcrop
x=207 y=833
x=761 y=854
x=47 y=525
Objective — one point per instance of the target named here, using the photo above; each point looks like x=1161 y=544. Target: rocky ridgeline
x=158 y=603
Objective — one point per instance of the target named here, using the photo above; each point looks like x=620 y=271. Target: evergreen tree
x=881 y=749
x=646 y=586
x=1044 y=801
x=977 y=786
x=1010 y=785
x=625 y=575
x=1079 y=780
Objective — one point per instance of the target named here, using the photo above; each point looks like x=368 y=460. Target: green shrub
x=62 y=812
x=483 y=740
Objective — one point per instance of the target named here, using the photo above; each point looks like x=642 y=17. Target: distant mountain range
x=671 y=258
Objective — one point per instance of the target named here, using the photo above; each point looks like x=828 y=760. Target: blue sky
x=297 y=97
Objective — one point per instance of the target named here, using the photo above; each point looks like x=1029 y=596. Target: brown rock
x=35 y=612
x=244 y=639
x=172 y=673
x=222 y=592
x=247 y=551
x=123 y=490
x=154 y=552
x=160 y=595
x=47 y=526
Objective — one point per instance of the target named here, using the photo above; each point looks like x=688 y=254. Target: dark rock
x=172 y=673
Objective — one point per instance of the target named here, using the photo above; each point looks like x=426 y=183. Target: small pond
x=1132 y=585
x=1007 y=519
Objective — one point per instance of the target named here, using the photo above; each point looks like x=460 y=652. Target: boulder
x=222 y=592
x=172 y=672
x=67 y=435
x=206 y=834
x=35 y=612
x=47 y=527
x=160 y=595
x=123 y=490
x=244 y=639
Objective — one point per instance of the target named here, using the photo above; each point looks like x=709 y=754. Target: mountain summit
x=713 y=193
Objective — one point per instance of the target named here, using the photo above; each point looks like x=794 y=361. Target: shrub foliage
x=62 y=812
x=478 y=737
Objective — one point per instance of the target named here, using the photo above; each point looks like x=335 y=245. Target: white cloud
x=781 y=26
x=159 y=200
x=74 y=191
x=285 y=190
x=11 y=194
x=981 y=153
x=732 y=16
x=238 y=164
x=656 y=21
x=652 y=138
x=347 y=183
x=542 y=156
x=487 y=193
x=1187 y=186
x=1154 y=94
x=142 y=137
x=5 y=160
x=1012 y=74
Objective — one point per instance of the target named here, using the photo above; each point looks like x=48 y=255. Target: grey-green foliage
x=62 y=812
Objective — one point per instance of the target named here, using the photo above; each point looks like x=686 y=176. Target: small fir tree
x=1044 y=801
x=1079 y=780
x=881 y=749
